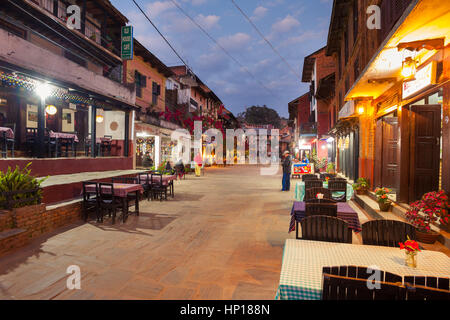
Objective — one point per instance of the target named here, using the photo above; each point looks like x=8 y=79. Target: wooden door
x=390 y=168
x=425 y=150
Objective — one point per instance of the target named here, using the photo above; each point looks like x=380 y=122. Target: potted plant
x=411 y=248
x=361 y=186
x=426 y=211
x=382 y=198
x=18 y=188
x=331 y=168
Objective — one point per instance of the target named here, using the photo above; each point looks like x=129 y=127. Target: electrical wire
x=267 y=41
x=156 y=28
x=221 y=47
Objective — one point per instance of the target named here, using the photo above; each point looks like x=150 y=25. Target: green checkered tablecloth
x=303 y=260
x=300 y=191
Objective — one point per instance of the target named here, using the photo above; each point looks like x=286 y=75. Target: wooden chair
x=108 y=200
x=8 y=141
x=311 y=194
x=105 y=146
x=158 y=187
x=325 y=228
x=338 y=186
x=313 y=183
x=308 y=177
x=428 y=281
x=344 y=288
x=360 y=272
x=90 y=200
x=30 y=141
x=146 y=184
x=320 y=209
x=417 y=293
x=387 y=232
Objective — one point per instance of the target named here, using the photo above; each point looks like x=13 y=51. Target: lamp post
x=43 y=90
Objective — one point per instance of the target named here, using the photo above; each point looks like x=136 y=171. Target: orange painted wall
x=153 y=75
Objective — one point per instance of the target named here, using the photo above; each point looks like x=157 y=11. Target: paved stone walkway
x=221 y=237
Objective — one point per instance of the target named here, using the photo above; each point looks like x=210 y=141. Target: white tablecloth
x=303 y=260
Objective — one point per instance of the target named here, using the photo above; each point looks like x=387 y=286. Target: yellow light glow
x=51 y=110
x=361 y=110
x=99 y=119
x=408 y=68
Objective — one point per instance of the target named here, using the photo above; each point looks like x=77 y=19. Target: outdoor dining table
x=166 y=180
x=300 y=191
x=303 y=260
x=64 y=135
x=344 y=212
x=121 y=190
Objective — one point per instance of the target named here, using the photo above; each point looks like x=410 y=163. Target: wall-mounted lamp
x=361 y=110
x=409 y=68
x=51 y=110
x=99 y=118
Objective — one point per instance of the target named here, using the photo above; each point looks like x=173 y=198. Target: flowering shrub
x=382 y=195
x=409 y=245
x=432 y=207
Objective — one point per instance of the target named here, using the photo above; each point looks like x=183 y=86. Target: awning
x=347 y=110
x=422 y=20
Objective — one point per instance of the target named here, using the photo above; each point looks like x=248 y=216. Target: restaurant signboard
x=127 y=43
x=424 y=78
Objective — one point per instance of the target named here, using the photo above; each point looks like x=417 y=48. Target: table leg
x=137 y=203
x=124 y=209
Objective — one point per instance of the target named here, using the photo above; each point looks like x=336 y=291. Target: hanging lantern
x=408 y=68
x=51 y=110
x=99 y=118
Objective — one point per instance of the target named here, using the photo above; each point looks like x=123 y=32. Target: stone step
x=397 y=212
x=11 y=233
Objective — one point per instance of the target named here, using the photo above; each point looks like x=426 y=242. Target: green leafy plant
x=361 y=184
x=20 y=180
x=331 y=167
x=162 y=166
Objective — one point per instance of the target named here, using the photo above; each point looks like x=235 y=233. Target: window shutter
x=158 y=89
x=143 y=81
x=154 y=88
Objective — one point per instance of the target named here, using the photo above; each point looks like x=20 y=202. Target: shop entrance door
x=425 y=150
x=391 y=148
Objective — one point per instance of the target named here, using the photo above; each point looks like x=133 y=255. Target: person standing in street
x=286 y=171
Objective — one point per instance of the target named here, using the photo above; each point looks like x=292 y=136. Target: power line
x=267 y=41
x=220 y=46
x=156 y=28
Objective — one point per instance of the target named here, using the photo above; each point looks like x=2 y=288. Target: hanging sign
x=127 y=43
x=424 y=78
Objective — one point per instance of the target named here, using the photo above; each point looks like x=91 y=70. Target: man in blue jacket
x=286 y=171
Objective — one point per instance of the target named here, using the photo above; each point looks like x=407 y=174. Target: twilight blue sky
x=295 y=27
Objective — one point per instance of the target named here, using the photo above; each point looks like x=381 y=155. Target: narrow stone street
x=221 y=237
